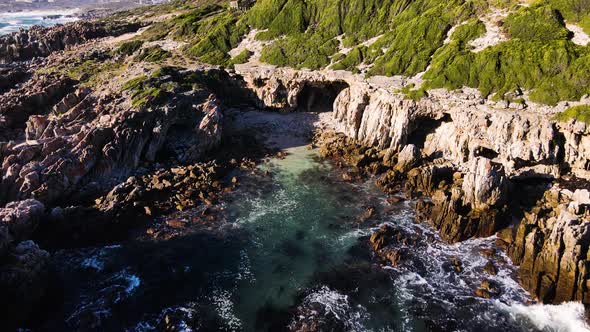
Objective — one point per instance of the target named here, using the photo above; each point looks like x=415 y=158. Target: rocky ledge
x=475 y=167
x=42 y=41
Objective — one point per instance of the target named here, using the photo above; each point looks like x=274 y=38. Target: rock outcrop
x=98 y=142
x=41 y=41
x=461 y=206
x=551 y=245
x=456 y=126
x=24 y=267
x=35 y=97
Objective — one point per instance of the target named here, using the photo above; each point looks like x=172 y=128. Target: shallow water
x=292 y=248
x=11 y=22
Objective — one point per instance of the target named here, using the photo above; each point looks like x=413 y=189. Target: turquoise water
x=301 y=227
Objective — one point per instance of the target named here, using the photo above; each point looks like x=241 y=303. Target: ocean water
x=293 y=248
x=11 y=22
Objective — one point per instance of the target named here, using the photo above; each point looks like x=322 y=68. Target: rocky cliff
x=469 y=160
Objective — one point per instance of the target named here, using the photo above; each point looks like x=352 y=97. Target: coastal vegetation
x=578 y=113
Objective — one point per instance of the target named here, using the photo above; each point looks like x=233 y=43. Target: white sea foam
x=338 y=305
x=225 y=309
x=566 y=317
x=11 y=22
x=93 y=263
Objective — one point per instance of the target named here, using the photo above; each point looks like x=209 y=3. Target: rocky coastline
x=477 y=168
x=80 y=164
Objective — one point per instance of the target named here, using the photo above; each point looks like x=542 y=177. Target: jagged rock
x=457 y=126
x=576 y=137
x=35 y=97
x=490 y=268
x=162 y=191
x=18 y=220
x=407 y=158
x=457 y=264
x=551 y=246
x=451 y=210
x=484 y=185
x=11 y=75
x=98 y=142
x=488 y=289
x=41 y=41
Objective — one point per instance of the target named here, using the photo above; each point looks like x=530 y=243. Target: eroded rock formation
x=42 y=41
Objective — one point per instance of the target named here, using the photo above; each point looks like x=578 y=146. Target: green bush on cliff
x=412 y=31
x=216 y=36
x=243 y=57
x=130 y=47
x=554 y=71
x=579 y=113
x=152 y=54
x=536 y=23
x=300 y=51
x=144 y=91
x=357 y=56
x=188 y=24
x=575 y=11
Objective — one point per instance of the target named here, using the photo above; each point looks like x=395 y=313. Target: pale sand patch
x=346 y=50
x=494 y=34
x=580 y=37
x=116 y=40
x=250 y=43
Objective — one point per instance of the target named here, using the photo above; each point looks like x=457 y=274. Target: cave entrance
x=424 y=127
x=319 y=97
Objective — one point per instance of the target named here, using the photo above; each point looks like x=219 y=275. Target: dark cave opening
x=424 y=127
x=319 y=97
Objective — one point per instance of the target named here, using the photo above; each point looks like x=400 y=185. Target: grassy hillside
x=409 y=37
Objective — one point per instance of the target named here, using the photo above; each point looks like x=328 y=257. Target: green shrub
x=216 y=36
x=579 y=113
x=536 y=23
x=575 y=11
x=243 y=57
x=554 y=71
x=152 y=54
x=144 y=91
x=300 y=51
x=130 y=47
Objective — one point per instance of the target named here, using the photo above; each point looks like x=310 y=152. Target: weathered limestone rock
x=42 y=41
x=484 y=185
x=460 y=208
x=98 y=142
x=457 y=126
x=407 y=158
x=576 y=135
x=551 y=246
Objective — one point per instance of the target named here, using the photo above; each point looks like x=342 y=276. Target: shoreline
x=15 y=21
